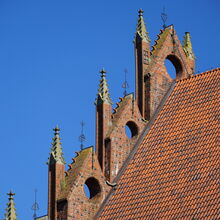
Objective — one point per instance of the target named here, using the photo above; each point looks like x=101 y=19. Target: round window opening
x=170 y=68
x=131 y=129
x=173 y=66
x=91 y=187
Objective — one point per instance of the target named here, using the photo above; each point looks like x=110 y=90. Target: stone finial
x=187 y=46
x=56 y=154
x=10 y=210
x=103 y=72
x=140 y=12
x=141 y=28
x=103 y=95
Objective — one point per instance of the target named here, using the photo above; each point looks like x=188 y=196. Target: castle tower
x=103 y=122
x=56 y=168
x=142 y=59
x=10 y=210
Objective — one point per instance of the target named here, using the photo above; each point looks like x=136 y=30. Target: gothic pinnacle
x=56 y=149
x=141 y=28
x=103 y=95
x=10 y=210
x=187 y=46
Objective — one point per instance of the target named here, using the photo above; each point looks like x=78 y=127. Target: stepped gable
x=74 y=171
x=168 y=46
x=160 y=40
x=126 y=113
x=174 y=171
x=126 y=110
x=73 y=201
x=126 y=101
x=84 y=159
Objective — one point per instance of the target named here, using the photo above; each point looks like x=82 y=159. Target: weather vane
x=35 y=206
x=82 y=137
x=164 y=17
x=125 y=83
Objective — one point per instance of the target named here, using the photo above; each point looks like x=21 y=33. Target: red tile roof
x=175 y=171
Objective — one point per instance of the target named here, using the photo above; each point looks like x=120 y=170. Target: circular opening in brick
x=91 y=187
x=170 y=68
x=131 y=129
x=173 y=66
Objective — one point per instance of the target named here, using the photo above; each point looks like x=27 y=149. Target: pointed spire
x=187 y=46
x=141 y=28
x=10 y=210
x=103 y=92
x=56 y=149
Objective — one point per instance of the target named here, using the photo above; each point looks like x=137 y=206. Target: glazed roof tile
x=174 y=171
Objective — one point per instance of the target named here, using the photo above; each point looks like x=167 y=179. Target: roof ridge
x=199 y=74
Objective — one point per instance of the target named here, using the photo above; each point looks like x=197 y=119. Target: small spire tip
x=103 y=72
x=140 y=12
x=10 y=194
x=56 y=129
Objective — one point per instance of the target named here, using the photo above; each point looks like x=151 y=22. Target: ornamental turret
x=103 y=118
x=10 y=210
x=56 y=169
x=142 y=59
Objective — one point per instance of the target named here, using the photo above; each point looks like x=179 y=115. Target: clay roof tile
x=174 y=171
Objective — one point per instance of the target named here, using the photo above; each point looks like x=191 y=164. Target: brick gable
x=175 y=170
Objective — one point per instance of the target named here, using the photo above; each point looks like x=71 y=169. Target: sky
x=50 y=56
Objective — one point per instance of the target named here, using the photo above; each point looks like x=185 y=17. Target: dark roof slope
x=175 y=172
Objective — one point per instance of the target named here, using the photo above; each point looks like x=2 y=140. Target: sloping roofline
x=138 y=142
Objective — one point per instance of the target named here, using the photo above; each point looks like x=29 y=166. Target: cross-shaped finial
x=125 y=84
x=56 y=129
x=11 y=194
x=140 y=12
x=164 y=18
x=82 y=137
x=35 y=206
x=103 y=72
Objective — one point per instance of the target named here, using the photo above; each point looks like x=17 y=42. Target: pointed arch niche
x=107 y=158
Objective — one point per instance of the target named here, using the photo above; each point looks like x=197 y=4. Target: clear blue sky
x=50 y=56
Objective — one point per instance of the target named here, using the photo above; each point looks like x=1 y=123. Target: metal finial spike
x=125 y=84
x=35 y=206
x=140 y=12
x=103 y=72
x=82 y=137
x=164 y=17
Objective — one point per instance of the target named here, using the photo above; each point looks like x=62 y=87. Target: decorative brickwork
x=56 y=168
x=152 y=78
x=73 y=203
x=99 y=170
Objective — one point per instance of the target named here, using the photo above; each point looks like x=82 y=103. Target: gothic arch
x=107 y=160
